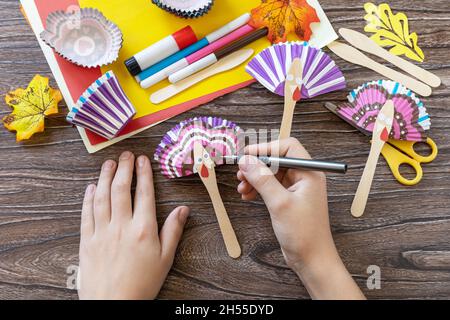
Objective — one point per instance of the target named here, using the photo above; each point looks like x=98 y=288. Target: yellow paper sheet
x=143 y=23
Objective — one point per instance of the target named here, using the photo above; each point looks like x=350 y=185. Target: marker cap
x=185 y=37
x=133 y=66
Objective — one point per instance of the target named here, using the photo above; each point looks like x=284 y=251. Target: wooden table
x=405 y=230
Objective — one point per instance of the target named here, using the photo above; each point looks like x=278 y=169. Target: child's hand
x=121 y=254
x=297 y=202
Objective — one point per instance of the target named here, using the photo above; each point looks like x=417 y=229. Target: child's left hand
x=121 y=254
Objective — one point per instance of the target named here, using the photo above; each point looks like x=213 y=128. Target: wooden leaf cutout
x=283 y=17
x=30 y=106
x=392 y=31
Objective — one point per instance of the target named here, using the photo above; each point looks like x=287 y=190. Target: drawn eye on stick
x=203 y=163
x=294 y=80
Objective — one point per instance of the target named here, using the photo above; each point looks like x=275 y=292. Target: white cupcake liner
x=85 y=37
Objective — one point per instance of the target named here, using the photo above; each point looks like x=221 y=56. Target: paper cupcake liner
x=188 y=9
x=103 y=108
x=85 y=37
x=220 y=137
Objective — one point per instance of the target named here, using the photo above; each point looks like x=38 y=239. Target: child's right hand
x=298 y=206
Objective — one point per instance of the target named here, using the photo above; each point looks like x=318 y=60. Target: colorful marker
x=161 y=50
x=217 y=55
x=158 y=71
x=222 y=42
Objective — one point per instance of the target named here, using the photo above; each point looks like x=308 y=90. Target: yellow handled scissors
x=398 y=153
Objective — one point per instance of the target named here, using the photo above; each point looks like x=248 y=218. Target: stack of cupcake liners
x=188 y=9
x=103 y=108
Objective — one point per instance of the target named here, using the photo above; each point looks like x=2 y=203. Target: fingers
x=102 y=199
x=172 y=231
x=251 y=196
x=144 y=201
x=262 y=179
x=246 y=190
x=121 y=188
x=244 y=187
x=285 y=148
x=290 y=148
x=87 y=213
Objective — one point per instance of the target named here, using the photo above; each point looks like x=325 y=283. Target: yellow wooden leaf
x=392 y=31
x=30 y=106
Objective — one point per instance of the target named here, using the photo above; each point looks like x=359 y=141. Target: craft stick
x=292 y=89
x=355 y=56
x=210 y=182
x=380 y=136
x=227 y=63
x=364 y=43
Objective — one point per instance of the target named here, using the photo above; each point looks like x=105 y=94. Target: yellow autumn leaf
x=30 y=106
x=392 y=31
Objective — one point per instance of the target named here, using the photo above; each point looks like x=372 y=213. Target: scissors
x=399 y=152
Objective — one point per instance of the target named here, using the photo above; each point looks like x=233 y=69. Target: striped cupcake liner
x=103 y=108
x=219 y=136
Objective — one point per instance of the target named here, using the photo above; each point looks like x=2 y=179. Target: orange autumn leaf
x=283 y=17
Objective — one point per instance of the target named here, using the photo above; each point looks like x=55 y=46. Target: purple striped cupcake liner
x=103 y=108
x=320 y=73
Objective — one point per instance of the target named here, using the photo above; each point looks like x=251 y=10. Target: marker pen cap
x=163 y=74
x=193 y=68
x=161 y=50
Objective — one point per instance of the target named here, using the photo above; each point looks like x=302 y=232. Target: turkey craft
x=296 y=71
x=381 y=130
x=196 y=146
x=396 y=134
x=411 y=120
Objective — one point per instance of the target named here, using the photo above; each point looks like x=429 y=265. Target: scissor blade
x=333 y=108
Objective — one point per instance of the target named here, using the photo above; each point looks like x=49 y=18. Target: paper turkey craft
x=411 y=120
x=196 y=146
x=296 y=71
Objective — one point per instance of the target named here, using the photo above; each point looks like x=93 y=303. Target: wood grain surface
x=405 y=230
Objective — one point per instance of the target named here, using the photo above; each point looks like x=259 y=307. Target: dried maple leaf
x=30 y=106
x=282 y=17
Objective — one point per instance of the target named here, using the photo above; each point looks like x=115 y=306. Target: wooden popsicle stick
x=384 y=122
x=227 y=63
x=210 y=182
x=295 y=74
x=364 y=43
x=355 y=56
x=288 y=117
